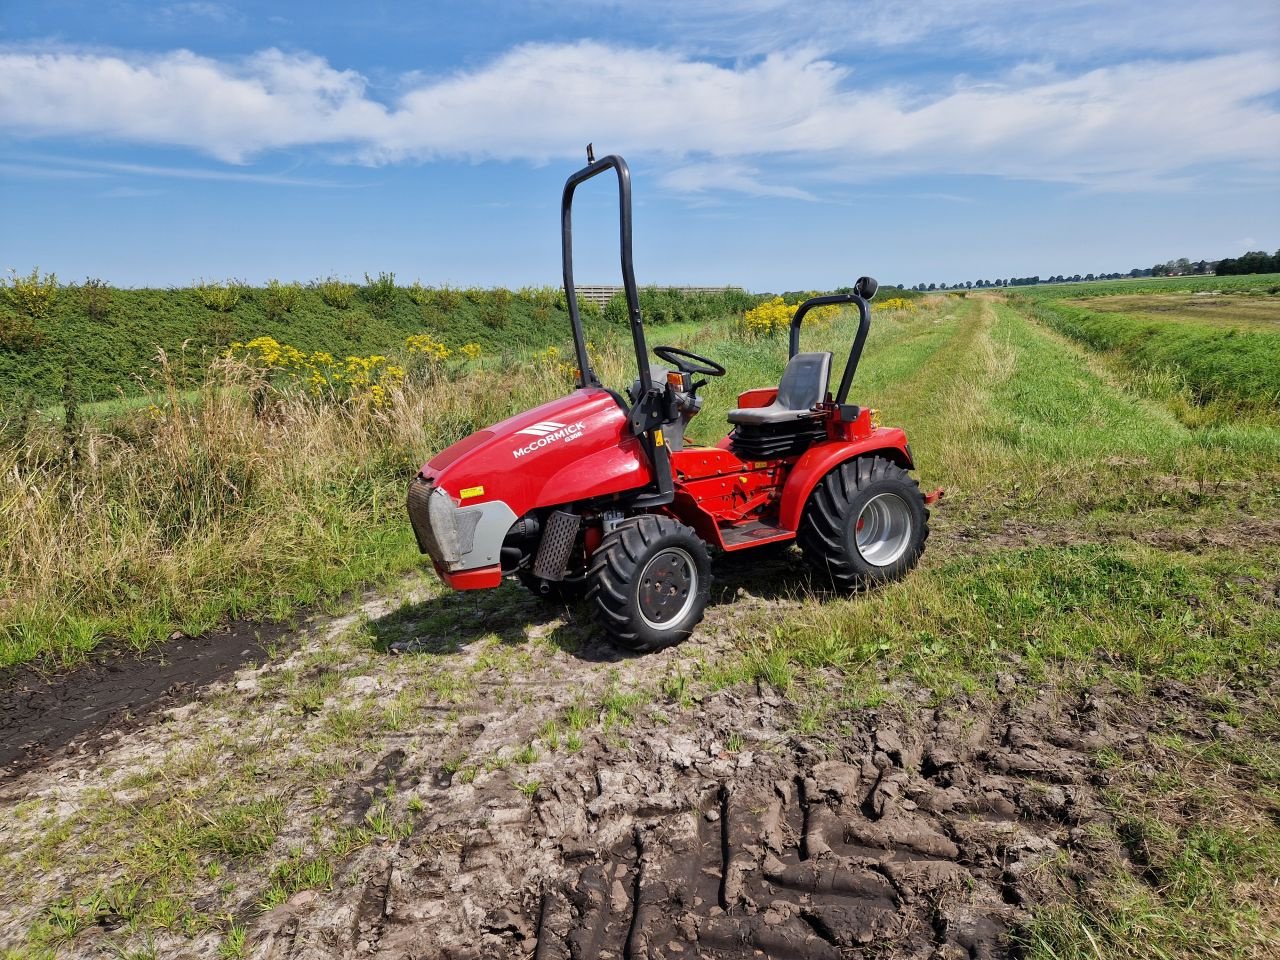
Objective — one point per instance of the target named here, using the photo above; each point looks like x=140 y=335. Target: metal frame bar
x=859 y=340
x=614 y=162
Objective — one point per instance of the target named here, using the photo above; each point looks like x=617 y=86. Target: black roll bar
x=586 y=375
x=855 y=353
x=647 y=414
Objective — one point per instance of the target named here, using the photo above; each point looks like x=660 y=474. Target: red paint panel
x=693 y=463
x=482 y=578
x=817 y=462
x=759 y=397
x=571 y=448
x=450 y=454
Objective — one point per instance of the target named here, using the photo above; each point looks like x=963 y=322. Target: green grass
x=1197 y=820
x=1029 y=431
x=1138 y=614
x=1233 y=368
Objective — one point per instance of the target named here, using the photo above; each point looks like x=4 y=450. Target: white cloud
x=705 y=177
x=1066 y=30
x=1132 y=124
x=102 y=168
x=230 y=110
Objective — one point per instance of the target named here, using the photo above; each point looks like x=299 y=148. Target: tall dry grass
x=231 y=502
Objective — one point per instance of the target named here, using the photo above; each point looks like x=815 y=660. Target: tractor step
x=753 y=534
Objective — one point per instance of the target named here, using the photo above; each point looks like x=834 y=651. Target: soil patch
x=96 y=703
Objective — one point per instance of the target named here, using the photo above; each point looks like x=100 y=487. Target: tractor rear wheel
x=650 y=578
x=865 y=524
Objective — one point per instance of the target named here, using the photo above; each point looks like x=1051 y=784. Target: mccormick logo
x=547 y=432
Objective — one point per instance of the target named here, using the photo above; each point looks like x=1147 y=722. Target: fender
x=817 y=462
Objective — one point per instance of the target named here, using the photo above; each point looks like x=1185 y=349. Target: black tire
x=558 y=592
x=650 y=578
x=888 y=502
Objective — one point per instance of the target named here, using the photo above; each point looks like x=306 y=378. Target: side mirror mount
x=866 y=287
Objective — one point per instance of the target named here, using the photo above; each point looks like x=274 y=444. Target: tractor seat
x=802 y=387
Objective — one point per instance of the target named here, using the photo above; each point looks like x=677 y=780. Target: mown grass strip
x=1239 y=369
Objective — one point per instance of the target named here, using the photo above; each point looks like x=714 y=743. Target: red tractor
x=596 y=494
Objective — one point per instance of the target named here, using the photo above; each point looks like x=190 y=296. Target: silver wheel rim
x=883 y=529
x=683 y=584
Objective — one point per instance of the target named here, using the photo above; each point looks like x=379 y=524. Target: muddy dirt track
x=706 y=828
x=924 y=836
x=926 y=841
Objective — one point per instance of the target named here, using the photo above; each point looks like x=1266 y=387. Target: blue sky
x=775 y=145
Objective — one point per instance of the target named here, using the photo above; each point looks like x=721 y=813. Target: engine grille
x=431 y=513
x=557 y=544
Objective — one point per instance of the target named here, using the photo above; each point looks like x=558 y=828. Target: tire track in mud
x=925 y=833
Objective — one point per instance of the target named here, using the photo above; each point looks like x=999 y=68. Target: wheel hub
x=667 y=588
x=883 y=530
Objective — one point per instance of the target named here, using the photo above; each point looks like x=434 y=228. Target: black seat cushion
x=802 y=387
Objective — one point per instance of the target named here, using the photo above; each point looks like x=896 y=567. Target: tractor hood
x=573 y=448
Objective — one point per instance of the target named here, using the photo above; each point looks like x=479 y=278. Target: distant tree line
x=1255 y=261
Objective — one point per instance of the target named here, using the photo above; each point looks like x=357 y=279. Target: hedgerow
x=112 y=338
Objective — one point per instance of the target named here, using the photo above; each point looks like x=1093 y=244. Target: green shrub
x=418 y=294
x=18 y=333
x=222 y=297
x=32 y=294
x=660 y=306
x=447 y=297
x=95 y=298
x=547 y=297
x=380 y=291
x=280 y=298
x=495 y=304
x=615 y=311
x=336 y=293
x=113 y=356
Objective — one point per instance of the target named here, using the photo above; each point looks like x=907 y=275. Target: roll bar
x=859 y=340
x=647 y=414
x=586 y=376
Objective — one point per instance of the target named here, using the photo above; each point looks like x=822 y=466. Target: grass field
x=1207 y=354
x=1256 y=283
x=1232 y=312
x=1103 y=536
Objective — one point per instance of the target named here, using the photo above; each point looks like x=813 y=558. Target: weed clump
x=32 y=294
x=336 y=293
x=380 y=291
x=280 y=298
x=95 y=298
x=222 y=297
x=27 y=300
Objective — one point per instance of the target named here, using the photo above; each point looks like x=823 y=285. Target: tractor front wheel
x=865 y=524
x=650 y=578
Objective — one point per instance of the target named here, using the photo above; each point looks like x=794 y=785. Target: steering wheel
x=682 y=358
